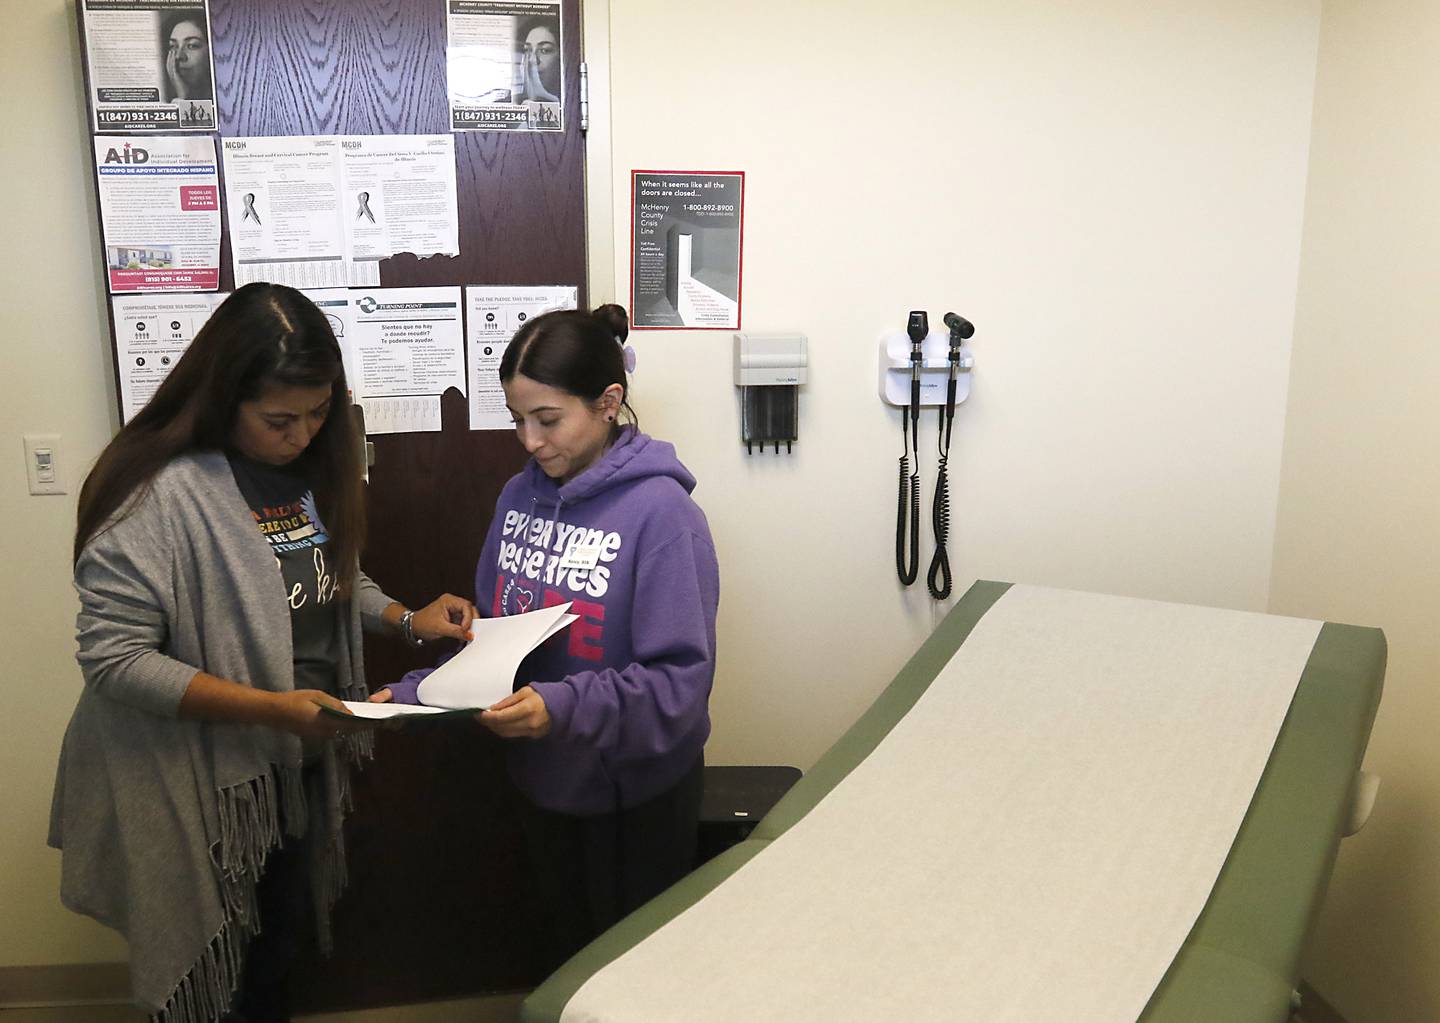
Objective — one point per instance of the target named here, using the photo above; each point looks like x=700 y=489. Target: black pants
x=592 y=871
x=283 y=896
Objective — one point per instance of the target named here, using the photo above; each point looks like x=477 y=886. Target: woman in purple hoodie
x=610 y=718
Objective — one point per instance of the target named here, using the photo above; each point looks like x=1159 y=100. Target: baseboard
x=91 y=985
x=37 y=987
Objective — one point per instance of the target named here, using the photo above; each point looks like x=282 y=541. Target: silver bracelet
x=407 y=629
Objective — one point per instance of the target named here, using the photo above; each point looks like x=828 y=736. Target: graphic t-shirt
x=284 y=508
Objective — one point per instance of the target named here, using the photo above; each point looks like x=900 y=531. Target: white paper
x=150 y=66
x=382 y=711
x=363 y=273
x=400 y=196
x=282 y=200
x=402 y=415
x=160 y=212
x=1050 y=816
x=483 y=673
x=151 y=333
x=492 y=316
x=321 y=211
x=409 y=350
x=402 y=326
x=335 y=304
x=506 y=68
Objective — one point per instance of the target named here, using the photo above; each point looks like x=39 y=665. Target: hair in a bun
x=578 y=352
x=615 y=319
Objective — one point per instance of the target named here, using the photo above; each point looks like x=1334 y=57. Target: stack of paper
x=483 y=673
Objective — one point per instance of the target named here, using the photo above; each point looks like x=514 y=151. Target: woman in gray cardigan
x=221 y=607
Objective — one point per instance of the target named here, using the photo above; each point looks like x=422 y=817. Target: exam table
x=1237 y=963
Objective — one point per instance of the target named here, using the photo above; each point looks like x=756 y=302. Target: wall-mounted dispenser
x=769 y=369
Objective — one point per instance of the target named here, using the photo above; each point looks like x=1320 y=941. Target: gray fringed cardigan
x=164 y=823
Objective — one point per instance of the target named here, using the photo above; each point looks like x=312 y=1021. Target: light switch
x=42 y=463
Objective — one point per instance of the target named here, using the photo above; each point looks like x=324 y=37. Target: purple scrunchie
x=629 y=359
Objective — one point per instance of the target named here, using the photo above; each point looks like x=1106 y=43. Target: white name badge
x=580 y=556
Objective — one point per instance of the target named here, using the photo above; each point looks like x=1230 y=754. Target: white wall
x=55 y=377
x=1111 y=191
x=1359 y=522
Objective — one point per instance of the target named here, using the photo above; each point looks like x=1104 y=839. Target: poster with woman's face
x=506 y=66
x=149 y=65
x=185 y=45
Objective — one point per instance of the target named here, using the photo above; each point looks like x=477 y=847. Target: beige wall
x=55 y=377
x=1359 y=522
x=1112 y=191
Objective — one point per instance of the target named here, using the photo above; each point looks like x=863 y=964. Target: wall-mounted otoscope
x=919 y=329
x=907 y=515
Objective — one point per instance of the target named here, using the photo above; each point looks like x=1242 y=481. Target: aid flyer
x=159 y=211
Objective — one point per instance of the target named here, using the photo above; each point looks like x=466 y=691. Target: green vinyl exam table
x=1240 y=960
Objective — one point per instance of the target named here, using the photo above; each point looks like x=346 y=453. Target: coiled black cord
x=938 y=579
x=909 y=496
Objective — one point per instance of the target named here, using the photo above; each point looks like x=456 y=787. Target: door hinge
x=584 y=97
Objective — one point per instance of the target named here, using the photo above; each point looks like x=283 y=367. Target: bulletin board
x=435 y=906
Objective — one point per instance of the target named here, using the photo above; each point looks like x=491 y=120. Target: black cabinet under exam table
x=734 y=801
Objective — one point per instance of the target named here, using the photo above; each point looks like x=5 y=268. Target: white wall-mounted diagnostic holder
x=918 y=368
x=769 y=369
x=934 y=369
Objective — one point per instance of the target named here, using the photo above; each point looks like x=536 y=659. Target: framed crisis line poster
x=686 y=247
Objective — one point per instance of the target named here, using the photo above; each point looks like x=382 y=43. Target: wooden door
x=436 y=904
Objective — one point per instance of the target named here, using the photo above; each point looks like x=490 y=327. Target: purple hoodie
x=628 y=684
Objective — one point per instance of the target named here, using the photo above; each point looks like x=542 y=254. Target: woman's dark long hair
x=573 y=351
x=264 y=335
